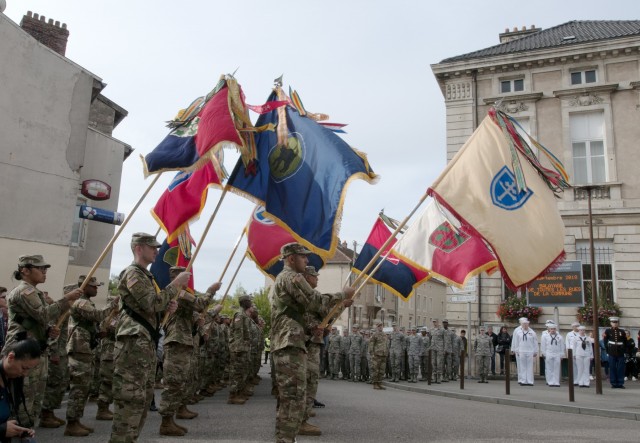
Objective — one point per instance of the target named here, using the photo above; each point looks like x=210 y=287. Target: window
x=581 y=77
x=78 y=231
x=515 y=85
x=603 y=253
x=587 y=144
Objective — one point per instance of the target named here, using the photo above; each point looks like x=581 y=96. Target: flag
x=301 y=176
x=207 y=125
x=184 y=199
x=496 y=193
x=452 y=254
x=265 y=238
x=395 y=274
x=176 y=253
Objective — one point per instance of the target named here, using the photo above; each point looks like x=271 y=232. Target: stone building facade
x=576 y=88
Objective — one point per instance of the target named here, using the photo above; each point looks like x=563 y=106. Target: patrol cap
x=293 y=248
x=92 y=281
x=482 y=328
x=444 y=320
x=311 y=270
x=434 y=320
x=32 y=260
x=614 y=319
x=245 y=297
x=356 y=326
x=142 y=238
x=575 y=323
x=224 y=317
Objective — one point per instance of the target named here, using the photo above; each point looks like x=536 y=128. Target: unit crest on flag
x=258 y=215
x=285 y=161
x=504 y=191
x=446 y=239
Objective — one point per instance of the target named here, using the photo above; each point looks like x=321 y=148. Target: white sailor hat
x=582 y=328
x=551 y=325
x=522 y=319
x=549 y=322
x=575 y=323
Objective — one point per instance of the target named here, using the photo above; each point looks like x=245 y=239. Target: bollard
x=462 y=369
x=429 y=368
x=570 y=368
x=507 y=373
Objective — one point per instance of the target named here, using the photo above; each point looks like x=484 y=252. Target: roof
x=567 y=34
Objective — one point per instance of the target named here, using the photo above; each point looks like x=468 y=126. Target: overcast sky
x=364 y=62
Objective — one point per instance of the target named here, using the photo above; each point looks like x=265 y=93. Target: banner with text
x=562 y=287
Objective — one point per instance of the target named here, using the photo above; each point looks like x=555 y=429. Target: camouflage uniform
x=414 y=351
x=83 y=339
x=483 y=348
x=424 y=359
x=379 y=350
x=240 y=348
x=178 y=353
x=334 y=354
x=397 y=353
x=437 y=353
x=290 y=298
x=455 y=355
x=135 y=350
x=29 y=317
x=58 y=376
x=107 y=344
x=365 y=360
x=355 y=354
x=345 y=344
x=448 y=354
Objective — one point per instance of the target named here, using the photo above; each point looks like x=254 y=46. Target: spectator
x=494 y=342
x=631 y=367
x=463 y=337
x=17 y=360
x=4 y=317
x=604 y=357
x=503 y=346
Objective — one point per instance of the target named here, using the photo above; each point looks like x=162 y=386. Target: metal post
x=469 y=337
x=429 y=368
x=594 y=299
x=507 y=373
x=570 y=368
x=462 y=369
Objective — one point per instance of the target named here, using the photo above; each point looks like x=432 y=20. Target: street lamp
x=594 y=293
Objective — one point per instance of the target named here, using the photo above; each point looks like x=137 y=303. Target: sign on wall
x=562 y=287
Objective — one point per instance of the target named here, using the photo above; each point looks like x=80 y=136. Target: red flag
x=184 y=199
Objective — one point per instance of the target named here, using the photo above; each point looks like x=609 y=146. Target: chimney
x=508 y=36
x=50 y=33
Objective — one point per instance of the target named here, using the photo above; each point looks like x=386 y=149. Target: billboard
x=561 y=287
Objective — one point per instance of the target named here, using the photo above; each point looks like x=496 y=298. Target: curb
x=608 y=413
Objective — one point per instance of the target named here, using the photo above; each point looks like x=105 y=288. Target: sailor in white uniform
x=525 y=348
x=552 y=350
x=571 y=336
x=582 y=355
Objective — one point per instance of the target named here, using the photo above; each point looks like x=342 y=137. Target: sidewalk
x=616 y=403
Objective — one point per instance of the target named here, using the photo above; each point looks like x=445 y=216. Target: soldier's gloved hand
x=349 y=291
x=348 y=302
x=73 y=295
x=216 y=309
x=172 y=306
x=53 y=332
x=214 y=288
x=182 y=280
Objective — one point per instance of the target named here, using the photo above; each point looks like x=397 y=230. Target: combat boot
x=333 y=376
x=168 y=427
x=376 y=386
x=184 y=414
x=49 y=420
x=74 y=429
x=185 y=430
x=309 y=429
x=382 y=388
x=90 y=430
x=235 y=399
x=247 y=391
x=274 y=391
x=103 y=411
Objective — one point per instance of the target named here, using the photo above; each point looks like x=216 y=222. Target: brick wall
x=49 y=33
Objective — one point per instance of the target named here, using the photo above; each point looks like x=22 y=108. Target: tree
x=261 y=299
x=113 y=285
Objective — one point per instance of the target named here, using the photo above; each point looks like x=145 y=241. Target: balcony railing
x=600 y=192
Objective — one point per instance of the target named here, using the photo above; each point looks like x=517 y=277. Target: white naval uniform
x=571 y=336
x=582 y=358
x=552 y=347
x=525 y=345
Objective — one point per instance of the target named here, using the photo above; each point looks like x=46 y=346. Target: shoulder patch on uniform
x=28 y=290
x=131 y=282
x=81 y=303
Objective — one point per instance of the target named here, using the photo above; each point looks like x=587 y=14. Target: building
x=56 y=130
x=576 y=88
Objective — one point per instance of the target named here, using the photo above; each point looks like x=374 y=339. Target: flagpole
x=195 y=253
x=375 y=257
x=232 y=279
x=107 y=248
x=235 y=248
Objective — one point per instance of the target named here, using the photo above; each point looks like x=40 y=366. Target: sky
x=365 y=63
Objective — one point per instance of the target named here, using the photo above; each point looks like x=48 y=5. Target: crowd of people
x=175 y=339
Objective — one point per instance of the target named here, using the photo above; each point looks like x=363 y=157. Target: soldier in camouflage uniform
x=414 y=351
x=448 y=351
x=365 y=360
x=378 y=349
x=483 y=348
x=83 y=339
x=345 y=344
x=355 y=353
x=437 y=351
x=455 y=355
x=396 y=349
x=58 y=376
x=291 y=295
x=334 y=353
x=137 y=333
x=31 y=317
x=107 y=344
x=240 y=347
x=424 y=357
x=178 y=354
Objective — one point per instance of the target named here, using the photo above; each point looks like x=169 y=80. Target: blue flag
x=301 y=182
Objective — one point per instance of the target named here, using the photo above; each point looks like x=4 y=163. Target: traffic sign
x=462 y=299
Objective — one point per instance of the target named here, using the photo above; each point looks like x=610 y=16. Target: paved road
x=356 y=413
